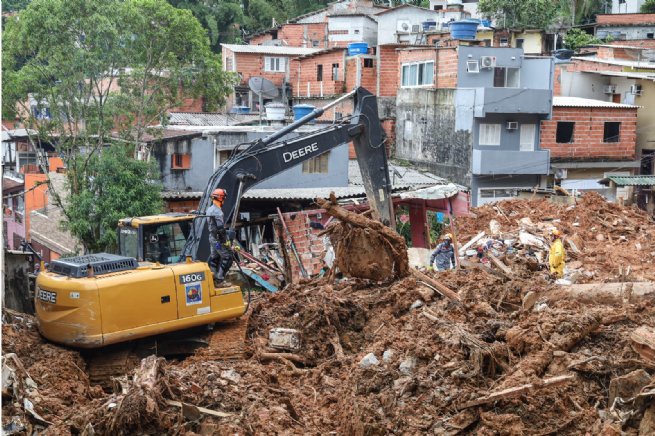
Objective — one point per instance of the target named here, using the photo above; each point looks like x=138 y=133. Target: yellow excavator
x=161 y=283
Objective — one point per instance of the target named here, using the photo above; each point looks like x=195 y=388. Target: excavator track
x=223 y=341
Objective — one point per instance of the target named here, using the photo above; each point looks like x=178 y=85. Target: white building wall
x=390 y=24
x=626 y=6
x=354 y=28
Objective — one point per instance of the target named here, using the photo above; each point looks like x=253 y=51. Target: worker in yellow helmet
x=557 y=256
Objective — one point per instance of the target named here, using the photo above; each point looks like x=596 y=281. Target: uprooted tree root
x=365 y=248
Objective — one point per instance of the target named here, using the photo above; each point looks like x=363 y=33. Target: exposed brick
x=626 y=19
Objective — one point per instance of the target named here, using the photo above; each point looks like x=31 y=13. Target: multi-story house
x=472 y=114
x=589 y=140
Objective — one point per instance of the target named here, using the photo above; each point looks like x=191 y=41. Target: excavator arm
x=268 y=157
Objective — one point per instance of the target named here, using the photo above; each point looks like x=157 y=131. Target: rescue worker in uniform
x=444 y=254
x=557 y=255
x=220 y=256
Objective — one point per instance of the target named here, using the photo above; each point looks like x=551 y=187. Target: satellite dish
x=263 y=87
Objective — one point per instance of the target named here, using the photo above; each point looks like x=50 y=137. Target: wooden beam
x=440 y=287
x=519 y=390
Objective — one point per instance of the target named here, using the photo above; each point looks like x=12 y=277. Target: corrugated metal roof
x=628 y=74
x=633 y=180
x=621 y=62
x=208 y=119
x=401 y=177
x=560 y=101
x=304 y=193
x=270 y=49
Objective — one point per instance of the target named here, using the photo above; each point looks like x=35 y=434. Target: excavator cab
x=157 y=238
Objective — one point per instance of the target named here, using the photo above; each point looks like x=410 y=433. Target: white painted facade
x=626 y=6
x=343 y=29
x=470 y=6
x=403 y=24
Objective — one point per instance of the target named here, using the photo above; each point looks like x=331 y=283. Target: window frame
x=572 y=141
x=319 y=72
x=419 y=70
x=317 y=165
x=180 y=161
x=277 y=62
x=505 y=75
x=523 y=146
x=617 y=136
x=335 y=72
x=497 y=126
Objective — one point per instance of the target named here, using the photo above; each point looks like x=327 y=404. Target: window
x=319 y=73
x=504 y=42
x=335 y=72
x=315 y=43
x=650 y=35
x=417 y=74
x=519 y=42
x=274 y=65
x=611 y=132
x=564 y=133
x=506 y=77
x=316 y=165
x=486 y=43
x=356 y=31
x=180 y=161
x=527 y=137
x=472 y=66
x=489 y=134
x=368 y=63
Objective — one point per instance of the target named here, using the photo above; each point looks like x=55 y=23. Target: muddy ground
x=436 y=360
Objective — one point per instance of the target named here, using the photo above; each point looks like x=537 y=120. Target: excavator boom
x=269 y=156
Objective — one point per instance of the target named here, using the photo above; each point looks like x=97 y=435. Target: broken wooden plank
x=187 y=406
x=643 y=342
x=518 y=390
x=440 y=287
x=470 y=243
x=500 y=264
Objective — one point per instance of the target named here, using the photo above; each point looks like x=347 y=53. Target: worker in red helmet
x=220 y=256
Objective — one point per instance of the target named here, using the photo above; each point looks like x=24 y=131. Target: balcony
x=512 y=101
x=488 y=162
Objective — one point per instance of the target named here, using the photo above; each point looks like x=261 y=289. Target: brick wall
x=588 y=133
x=388 y=75
x=303 y=35
x=252 y=64
x=417 y=55
x=447 y=67
x=260 y=39
x=308 y=68
x=616 y=53
x=557 y=79
x=582 y=65
x=368 y=75
x=309 y=245
x=345 y=107
x=640 y=43
x=626 y=19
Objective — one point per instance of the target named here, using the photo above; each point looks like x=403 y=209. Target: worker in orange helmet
x=220 y=255
x=557 y=256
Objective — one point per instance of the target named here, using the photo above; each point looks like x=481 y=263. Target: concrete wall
x=343 y=30
x=627 y=32
x=626 y=6
x=14 y=229
x=389 y=24
x=17 y=289
x=532 y=42
x=205 y=159
x=426 y=133
x=511 y=183
x=646 y=117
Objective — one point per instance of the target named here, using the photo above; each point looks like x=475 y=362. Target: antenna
x=264 y=88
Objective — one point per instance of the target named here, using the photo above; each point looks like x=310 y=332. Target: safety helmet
x=447 y=236
x=218 y=194
x=555 y=232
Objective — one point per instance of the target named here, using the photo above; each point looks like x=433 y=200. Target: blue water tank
x=463 y=29
x=356 y=48
x=240 y=110
x=301 y=110
x=485 y=23
x=428 y=24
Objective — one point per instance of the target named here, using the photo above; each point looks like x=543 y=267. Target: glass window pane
x=429 y=73
x=512 y=78
x=413 y=75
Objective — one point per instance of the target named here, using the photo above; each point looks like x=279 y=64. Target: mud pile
x=511 y=354
x=615 y=243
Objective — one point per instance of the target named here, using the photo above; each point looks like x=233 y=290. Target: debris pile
x=605 y=242
x=466 y=351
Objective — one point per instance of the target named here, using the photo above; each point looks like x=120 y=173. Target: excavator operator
x=220 y=257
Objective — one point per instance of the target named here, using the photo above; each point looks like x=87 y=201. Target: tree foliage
x=116 y=186
x=648 y=7
x=576 y=38
x=104 y=68
x=509 y=14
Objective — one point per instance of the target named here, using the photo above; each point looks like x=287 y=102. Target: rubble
x=488 y=352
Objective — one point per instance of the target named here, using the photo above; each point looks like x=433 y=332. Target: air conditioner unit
x=635 y=90
x=403 y=26
x=488 y=61
x=561 y=173
x=609 y=89
x=512 y=125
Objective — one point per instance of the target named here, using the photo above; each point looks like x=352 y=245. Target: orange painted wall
x=34 y=199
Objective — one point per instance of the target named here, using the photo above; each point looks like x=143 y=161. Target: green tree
x=105 y=69
x=577 y=38
x=116 y=186
x=510 y=14
x=648 y=7
x=575 y=12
